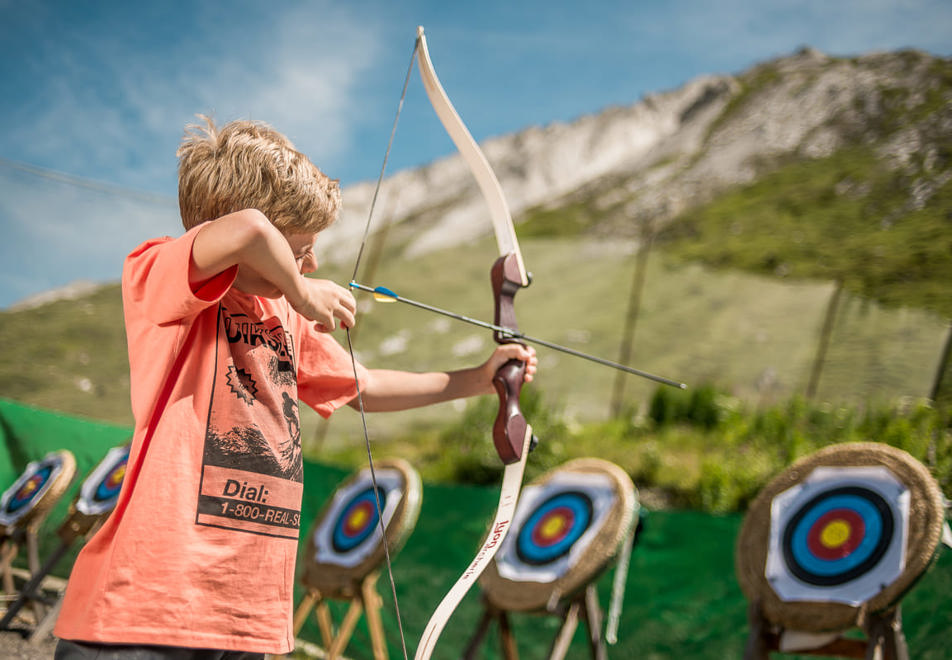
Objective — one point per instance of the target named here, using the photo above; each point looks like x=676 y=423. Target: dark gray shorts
x=67 y=650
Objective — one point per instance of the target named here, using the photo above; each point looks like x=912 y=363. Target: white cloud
x=115 y=102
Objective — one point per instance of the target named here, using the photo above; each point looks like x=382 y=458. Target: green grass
x=845 y=217
x=68 y=356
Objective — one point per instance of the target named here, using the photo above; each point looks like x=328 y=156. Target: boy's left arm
x=386 y=391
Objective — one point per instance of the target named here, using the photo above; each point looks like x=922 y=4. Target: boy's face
x=302 y=246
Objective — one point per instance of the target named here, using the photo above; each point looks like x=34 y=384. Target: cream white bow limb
x=508 y=245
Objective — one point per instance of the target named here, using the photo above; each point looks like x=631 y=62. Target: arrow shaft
x=516 y=334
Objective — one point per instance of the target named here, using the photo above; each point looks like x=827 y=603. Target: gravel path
x=15 y=646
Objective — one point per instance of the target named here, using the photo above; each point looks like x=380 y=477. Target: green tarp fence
x=682 y=600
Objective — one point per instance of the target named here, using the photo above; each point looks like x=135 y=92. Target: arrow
x=383 y=294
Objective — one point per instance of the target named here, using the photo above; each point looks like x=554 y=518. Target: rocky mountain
x=676 y=149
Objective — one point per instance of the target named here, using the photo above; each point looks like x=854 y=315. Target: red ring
x=857 y=532
x=567 y=519
x=350 y=529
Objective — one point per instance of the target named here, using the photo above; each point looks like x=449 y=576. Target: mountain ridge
x=672 y=150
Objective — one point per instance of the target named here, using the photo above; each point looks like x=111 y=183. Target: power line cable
x=89 y=184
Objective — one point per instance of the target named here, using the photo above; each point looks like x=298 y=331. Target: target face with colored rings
x=349 y=530
x=100 y=492
x=357 y=521
x=27 y=491
x=553 y=528
x=109 y=487
x=838 y=535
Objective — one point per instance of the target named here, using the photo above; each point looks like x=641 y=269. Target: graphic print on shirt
x=252 y=471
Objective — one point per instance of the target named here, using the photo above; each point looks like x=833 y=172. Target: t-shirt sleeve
x=325 y=372
x=155 y=278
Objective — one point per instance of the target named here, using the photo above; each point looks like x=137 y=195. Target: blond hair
x=248 y=164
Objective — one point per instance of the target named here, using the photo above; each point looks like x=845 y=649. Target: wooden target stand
x=354 y=580
x=571 y=596
x=87 y=512
x=25 y=505
x=817 y=627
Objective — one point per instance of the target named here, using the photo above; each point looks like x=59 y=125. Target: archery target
x=569 y=525
x=100 y=490
x=846 y=530
x=29 y=490
x=350 y=530
x=839 y=536
x=554 y=526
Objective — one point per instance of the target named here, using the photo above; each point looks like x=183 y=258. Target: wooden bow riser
x=509 y=429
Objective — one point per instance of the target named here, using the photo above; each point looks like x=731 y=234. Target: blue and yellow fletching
x=383 y=294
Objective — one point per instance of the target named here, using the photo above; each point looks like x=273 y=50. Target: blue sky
x=101 y=91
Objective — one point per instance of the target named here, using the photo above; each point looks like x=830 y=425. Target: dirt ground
x=14 y=645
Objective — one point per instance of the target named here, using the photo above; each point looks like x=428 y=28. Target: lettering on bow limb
x=510 y=427
x=494 y=538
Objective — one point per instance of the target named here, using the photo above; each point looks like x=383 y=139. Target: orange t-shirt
x=200 y=549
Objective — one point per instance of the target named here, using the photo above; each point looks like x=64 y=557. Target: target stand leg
x=33 y=561
x=757 y=647
x=507 y=640
x=372 y=605
x=885 y=639
x=586 y=606
x=560 y=646
x=76 y=526
x=29 y=592
x=593 y=620
x=8 y=552
x=363 y=599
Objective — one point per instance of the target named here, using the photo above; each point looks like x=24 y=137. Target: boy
x=225 y=335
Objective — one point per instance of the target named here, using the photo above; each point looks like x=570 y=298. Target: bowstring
x=353 y=359
x=386 y=157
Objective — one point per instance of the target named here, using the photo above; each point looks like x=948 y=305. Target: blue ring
x=341 y=541
x=581 y=506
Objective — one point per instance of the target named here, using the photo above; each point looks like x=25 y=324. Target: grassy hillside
x=68 y=356
x=752 y=335
x=847 y=217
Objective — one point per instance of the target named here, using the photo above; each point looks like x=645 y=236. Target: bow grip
x=510 y=427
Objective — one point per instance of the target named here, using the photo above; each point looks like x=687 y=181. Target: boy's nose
x=308 y=263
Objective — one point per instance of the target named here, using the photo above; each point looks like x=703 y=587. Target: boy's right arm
x=248 y=240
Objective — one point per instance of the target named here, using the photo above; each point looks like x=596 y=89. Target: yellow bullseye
x=835 y=534
x=552 y=527
x=358 y=518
